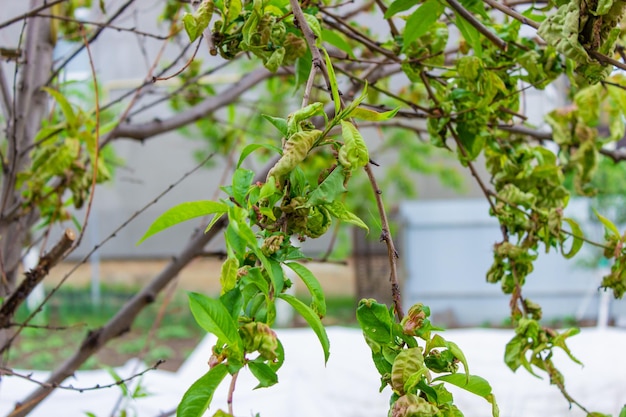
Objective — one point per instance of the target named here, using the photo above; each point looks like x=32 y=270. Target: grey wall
x=447 y=250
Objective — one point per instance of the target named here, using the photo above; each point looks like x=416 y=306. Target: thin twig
x=9 y=372
x=31 y=13
x=510 y=12
x=189 y=61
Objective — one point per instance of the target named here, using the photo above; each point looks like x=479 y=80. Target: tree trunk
x=26 y=118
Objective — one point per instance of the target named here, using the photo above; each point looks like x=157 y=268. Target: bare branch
x=510 y=12
x=143 y=131
x=465 y=14
x=34 y=277
x=9 y=372
x=32 y=13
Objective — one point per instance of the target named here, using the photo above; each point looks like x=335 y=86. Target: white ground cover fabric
x=348 y=385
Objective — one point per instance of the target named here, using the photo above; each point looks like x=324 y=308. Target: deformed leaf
x=608 y=225
x=181 y=213
x=371 y=115
x=577 y=242
x=339 y=210
x=353 y=154
x=199 y=395
x=197 y=22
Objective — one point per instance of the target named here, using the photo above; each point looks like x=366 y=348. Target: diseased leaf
x=608 y=225
x=199 y=395
x=339 y=210
x=353 y=154
x=318 y=302
x=197 y=22
x=182 y=213
x=371 y=115
x=311 y=318
x=577 y=242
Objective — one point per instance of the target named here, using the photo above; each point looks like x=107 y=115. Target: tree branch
x=143 y=131
x=34 y=277
x=32 y=13
x=471 y=19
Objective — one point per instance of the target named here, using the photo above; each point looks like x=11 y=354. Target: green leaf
x=65 y=105
x=242 y=178
x=315 y=26
x=577 y=243
x=318 y=302
x=329 y=190
x=623 y=412
x=263 y=373
x=182 y=213
x=470 y=34
x=371 y=115
x=254 y=146
x=337 y=41
x=279 y=123
x=399 y=6
x=609 y=226
x=334 y=88
x=353 y=153
x=421 y=20
x=213 y=221
x=213 y=317
x=199 y=395
x=472 y=383
x=311 y=318
x=339 y=210
x=118 y=379
x=375 y=321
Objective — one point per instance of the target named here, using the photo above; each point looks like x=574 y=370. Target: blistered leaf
x=353 y=154
x=197 y=22
x=182 y=213
x=339 y=210
x=295 y=151
x=312 y=319
x=406 y=365
x=199 y=395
